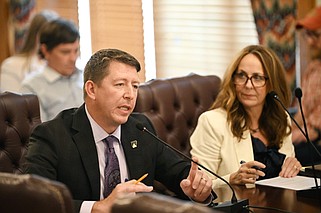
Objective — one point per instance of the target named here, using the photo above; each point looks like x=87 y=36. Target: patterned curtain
x=275 y=24
x=20 y=14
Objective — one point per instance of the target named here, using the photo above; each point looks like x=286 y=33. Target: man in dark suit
x=70 y=148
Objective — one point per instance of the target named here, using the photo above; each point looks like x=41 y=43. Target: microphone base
x=314 y=193
x=228 y=207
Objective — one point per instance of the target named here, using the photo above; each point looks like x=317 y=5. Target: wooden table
x=266 y=196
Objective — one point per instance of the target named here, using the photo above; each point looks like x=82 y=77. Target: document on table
x=295 y=183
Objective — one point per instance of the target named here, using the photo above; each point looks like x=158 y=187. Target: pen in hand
x=254 y=167
x=141 y=178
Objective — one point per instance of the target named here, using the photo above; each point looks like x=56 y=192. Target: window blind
x=118 y=24
x=200 y=36
x=65 y=8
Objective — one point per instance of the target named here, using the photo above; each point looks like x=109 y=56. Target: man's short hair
x=58 y=31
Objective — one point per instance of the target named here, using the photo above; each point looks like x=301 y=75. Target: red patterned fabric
x=275 y=23
x=21 y=12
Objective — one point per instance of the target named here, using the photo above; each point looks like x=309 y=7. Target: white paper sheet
x=295 y=183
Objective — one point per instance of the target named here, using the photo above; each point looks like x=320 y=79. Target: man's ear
x=90 y=88
x=44 y=51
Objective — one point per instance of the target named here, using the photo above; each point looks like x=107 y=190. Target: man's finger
x=193 y=170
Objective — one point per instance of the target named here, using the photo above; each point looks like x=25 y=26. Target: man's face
x=62 y=58
x=313 y=38
x=115 y=98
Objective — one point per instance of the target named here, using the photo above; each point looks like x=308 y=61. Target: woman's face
x=250 y=92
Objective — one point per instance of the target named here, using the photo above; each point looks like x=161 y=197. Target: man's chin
x=123 y=119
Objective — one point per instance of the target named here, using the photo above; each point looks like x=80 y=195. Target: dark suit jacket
x=64 y=150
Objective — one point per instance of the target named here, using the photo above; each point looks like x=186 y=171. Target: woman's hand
x=291 y=167
x=247 y=174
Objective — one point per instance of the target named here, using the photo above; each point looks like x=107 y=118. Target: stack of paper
x=295 y=183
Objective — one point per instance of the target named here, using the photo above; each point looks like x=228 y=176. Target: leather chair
x=173 y=105
x=19 y=114
x=33 y=194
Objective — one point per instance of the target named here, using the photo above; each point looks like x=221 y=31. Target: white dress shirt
x=100 y=134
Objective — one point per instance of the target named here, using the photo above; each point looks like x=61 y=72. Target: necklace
x=254 y=130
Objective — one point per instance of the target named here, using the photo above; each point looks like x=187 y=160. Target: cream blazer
x=217 y=149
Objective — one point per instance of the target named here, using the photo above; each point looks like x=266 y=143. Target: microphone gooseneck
x=276 y=97
x=144 y=129
x=298 y=94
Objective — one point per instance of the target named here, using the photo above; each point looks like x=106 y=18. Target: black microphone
x=230 y=206
x=298 y=95
x=313 y=193
x=276 y=97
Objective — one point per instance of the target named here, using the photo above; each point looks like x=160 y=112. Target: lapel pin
x=133 y=144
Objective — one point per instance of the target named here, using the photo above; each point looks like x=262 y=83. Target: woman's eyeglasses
x=240 y=78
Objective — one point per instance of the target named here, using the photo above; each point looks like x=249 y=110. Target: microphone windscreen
x=140 y=126
x=273 y=94
x=298 y=92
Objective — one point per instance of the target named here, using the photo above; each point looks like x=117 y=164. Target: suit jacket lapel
x=242 y=148
x=83 y=138
x=129 y=137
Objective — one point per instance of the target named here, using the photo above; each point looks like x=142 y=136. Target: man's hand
x=197 y=185
x=122 y=189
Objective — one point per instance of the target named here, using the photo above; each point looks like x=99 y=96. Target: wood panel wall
x=4 y=41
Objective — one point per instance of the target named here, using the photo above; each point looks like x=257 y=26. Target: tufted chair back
x=173 y=105
x=19 y=114
x=33 y=194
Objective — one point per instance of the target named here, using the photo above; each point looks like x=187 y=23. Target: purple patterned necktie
x=112 y=172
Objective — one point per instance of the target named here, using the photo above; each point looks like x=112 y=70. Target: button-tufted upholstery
x=33 y=194
x=19 y=114
x=173 y=105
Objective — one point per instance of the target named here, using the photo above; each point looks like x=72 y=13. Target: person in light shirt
x=59 y=85
x=246 y=135
x=17 y=67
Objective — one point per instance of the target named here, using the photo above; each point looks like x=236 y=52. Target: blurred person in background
x=15 y=68
x=310 y=26
x=59 y=85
